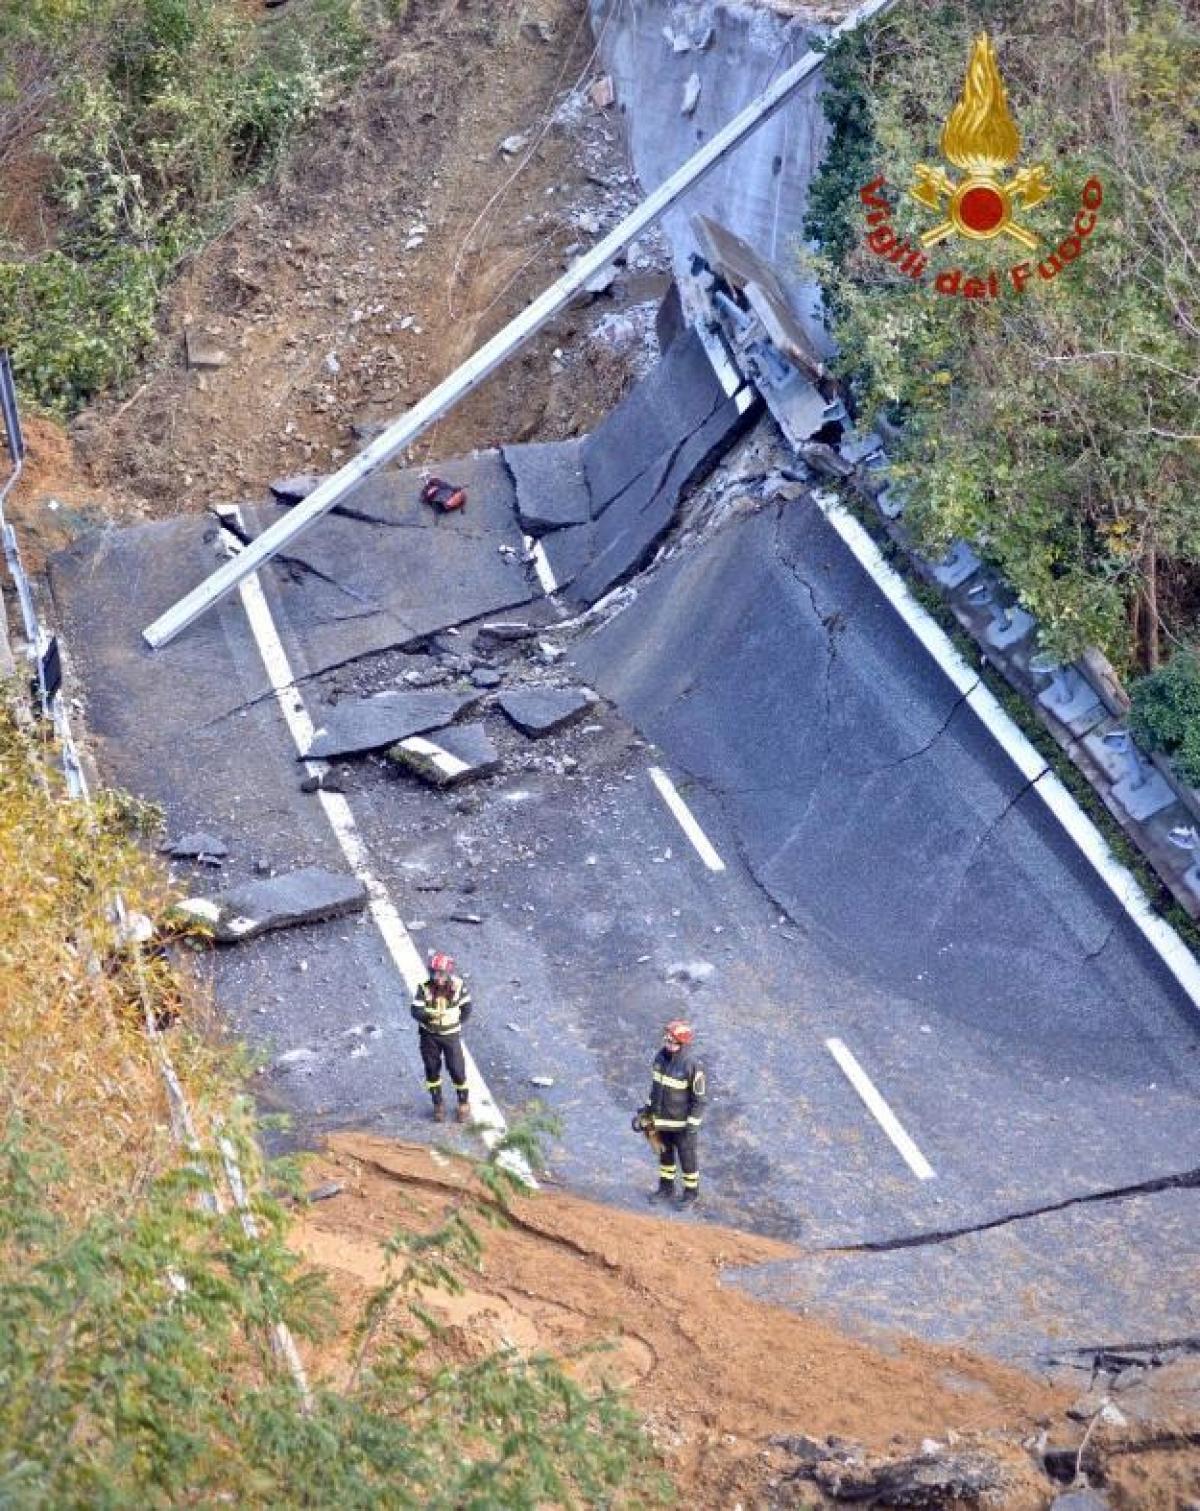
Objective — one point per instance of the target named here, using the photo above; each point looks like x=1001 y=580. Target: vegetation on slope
x=1059 y=430
x=134 y=1319
x=142 y=118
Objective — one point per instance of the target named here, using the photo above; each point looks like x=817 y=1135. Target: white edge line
x=880 y=1110
x=450 y=764
x=536 y=553
x=405 y=955
x=1121 y=882
x=685 y=819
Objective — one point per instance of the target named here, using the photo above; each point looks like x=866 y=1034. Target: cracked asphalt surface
x=889 y=882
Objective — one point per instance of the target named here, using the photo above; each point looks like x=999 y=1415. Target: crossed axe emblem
x=980 y=207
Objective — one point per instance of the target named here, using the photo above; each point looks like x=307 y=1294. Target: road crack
x=1185 y=1180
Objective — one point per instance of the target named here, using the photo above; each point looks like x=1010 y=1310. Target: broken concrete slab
x=552 y=490
x=356 y=725
x=463 y=753
x=630 y=528
x=291 y=490
x=671 y=402
x=486 y=677
x=569 y=551
x=311 y=895
x=197 y=846
x=540 y=711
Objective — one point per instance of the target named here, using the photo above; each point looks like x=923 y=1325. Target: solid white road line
x=683 y=816
x=880 y=1110
x=449 y=765
x=536 y=553
x=1120 y=881
x=404 y=953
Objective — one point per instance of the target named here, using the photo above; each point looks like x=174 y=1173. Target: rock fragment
x=356 y=725
x=448 y=757
x=541 y=711
x=310 y=895
x=198 y=846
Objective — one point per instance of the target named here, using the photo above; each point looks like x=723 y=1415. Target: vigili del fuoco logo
x=983 y=142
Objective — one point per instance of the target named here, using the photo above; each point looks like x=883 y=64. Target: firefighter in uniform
x=674 y=1112
x=441 y=1006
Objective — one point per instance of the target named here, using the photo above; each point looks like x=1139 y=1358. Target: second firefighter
x=441 y=1006
x=674 y=1112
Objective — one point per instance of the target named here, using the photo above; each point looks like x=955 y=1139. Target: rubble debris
x=825 y=460
x=690 y=972
x=325 y=1191
x=503 y=634
x=1080 y=1500
x=925 y=1480
x=203 y=353
x=311 y=895
x=291 y=490
x=486 y=677
x=543 y=1081
x=540 y=711
x=601 y=92
x=198 y=846
x=323 y=782
x=515 y=143
x=357 y=725
x=601 y=282
x=691 y=95
x=462 y=753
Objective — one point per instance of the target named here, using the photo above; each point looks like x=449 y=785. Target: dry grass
x=76 y=1064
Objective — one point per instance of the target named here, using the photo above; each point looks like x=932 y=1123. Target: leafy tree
x=1059 y=429
x=1166 y=713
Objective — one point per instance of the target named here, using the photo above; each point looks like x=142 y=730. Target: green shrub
x=1166 y=713
x=136 y=1373
x=165 y=109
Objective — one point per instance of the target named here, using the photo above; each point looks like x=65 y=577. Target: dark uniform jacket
x=677 y=1089
x=442 y=1014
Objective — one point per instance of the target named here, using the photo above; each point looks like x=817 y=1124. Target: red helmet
x=681 y=1032
x=440 y=965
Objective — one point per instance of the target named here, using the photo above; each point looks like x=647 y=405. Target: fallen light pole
x=489 y=356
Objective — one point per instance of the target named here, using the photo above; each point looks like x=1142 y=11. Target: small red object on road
x=440 y=494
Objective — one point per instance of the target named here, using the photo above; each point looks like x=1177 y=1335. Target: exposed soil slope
x=341 y=294
x=717 y=1373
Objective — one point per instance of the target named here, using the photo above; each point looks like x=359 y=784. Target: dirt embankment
x=414 y=219
x=716 y=1373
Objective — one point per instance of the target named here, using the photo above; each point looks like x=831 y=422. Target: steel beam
x=502 y=345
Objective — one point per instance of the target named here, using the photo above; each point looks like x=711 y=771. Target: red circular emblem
x=982 y=208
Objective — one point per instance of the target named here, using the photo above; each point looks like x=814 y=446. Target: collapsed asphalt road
x=920 y=1012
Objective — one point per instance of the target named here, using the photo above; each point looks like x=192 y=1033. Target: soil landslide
x=463 y=172
x=716 y=1374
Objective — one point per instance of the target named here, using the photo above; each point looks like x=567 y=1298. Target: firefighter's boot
x=462 y=1112
x=439 y=1110
x=691 y=1195
x=664 y=1191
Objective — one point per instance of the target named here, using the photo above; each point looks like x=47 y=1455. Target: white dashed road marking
x=880 y=1110
x=684 y=818
x=404 y=953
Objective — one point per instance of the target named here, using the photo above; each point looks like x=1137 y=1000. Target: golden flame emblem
x=982 y=139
